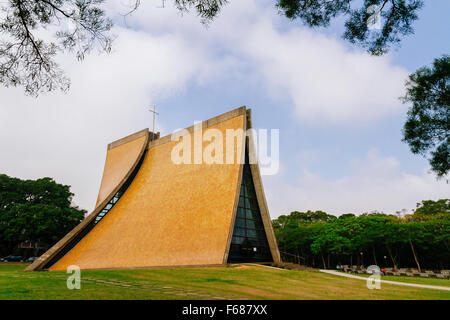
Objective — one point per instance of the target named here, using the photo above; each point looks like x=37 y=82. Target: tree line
x=35 y=211
x=420 y=240
x=41 y=211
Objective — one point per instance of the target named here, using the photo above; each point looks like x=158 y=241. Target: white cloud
x=375 y=183
x=326 y=81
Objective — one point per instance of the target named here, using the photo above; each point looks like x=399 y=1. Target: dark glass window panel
x=258 y=225
x=249 y=241
x=239 y=231
x=240 y=223
x=251 y=233
x=241 y=213
x=254 y=203
x=251 y=224
x=261 y=233
x=259 y=243
x=247 y=192
x=237 y=240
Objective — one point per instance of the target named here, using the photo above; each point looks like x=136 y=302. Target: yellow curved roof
x=120 y=158
x=170 y=214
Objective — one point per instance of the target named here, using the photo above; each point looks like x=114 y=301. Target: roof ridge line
x=205 y=124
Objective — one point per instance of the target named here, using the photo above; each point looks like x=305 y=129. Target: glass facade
x=249 y=241
x=109 y=206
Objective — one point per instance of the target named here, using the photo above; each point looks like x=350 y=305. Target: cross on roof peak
x=154 y=115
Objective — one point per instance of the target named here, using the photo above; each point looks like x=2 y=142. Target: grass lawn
x=234 y=282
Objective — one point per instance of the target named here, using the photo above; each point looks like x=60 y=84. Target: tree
x=430 y=207
x=339 y=237
x=439 y=249
x=373 y=236
x=35 y=211
x=297 y=231
x=421 y=239
x=427 y=128
x=308 y=216
x=27 y=60
x=206 y=9
x=397 y=16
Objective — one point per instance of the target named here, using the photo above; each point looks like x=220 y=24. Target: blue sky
x=336 y=107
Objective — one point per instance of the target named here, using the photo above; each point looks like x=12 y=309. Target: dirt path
x=425 y=286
